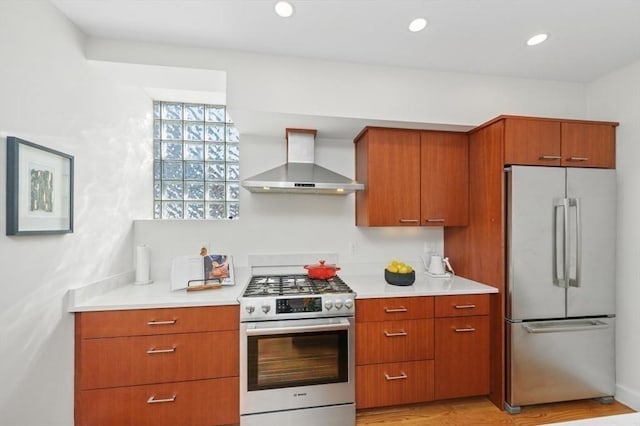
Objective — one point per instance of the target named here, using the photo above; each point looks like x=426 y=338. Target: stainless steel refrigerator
x=560 y=311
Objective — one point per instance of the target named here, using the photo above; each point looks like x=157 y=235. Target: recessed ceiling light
x=417 y=24
x=283 y=9
x=536 y=39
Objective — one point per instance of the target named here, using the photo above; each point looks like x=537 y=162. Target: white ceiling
x=587 y=38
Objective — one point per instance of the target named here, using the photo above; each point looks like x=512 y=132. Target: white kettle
x=438 y=265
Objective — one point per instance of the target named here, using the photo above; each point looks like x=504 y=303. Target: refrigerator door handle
x=550 y=328
x=575 y=202
x=560 y=281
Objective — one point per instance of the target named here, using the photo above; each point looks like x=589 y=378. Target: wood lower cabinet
x=404 y=355
x=409 y=176
x=461 y=346
x=157 y=367
x=394 y=351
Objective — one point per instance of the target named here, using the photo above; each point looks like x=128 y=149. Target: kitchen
x=79 y=110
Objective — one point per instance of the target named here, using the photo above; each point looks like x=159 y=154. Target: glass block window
x=196 y=162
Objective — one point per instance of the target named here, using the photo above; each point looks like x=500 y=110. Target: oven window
x=297 y=359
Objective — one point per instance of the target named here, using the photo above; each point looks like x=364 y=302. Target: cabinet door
x=194 y=403
x=534 y=142
x=379 y=385
x=125 y=361
x=388 y=163
x=444 y=178
x=394 y=308
x=393 y=341
x=462 y=357
x=588 y=145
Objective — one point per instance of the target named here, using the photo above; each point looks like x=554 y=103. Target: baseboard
x=628 y=397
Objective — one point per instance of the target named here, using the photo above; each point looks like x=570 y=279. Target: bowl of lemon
x=399 y=273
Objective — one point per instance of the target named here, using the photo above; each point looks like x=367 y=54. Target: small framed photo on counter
x=39 y=189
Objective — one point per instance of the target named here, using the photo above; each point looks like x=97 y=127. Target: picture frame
x=39 y=189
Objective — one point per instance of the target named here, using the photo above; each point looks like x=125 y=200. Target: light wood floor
x=480 y=411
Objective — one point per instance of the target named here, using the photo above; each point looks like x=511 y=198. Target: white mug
x=436 y=266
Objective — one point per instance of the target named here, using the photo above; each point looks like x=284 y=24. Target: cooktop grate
x=280 y=285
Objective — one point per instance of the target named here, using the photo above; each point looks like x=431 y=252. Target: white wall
x=617 y=97
x=51 y=96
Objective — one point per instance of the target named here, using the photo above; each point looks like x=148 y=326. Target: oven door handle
x=340 y=325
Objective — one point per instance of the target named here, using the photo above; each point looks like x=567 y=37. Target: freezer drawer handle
x=465 y=330
x=393 y=310
x=470 y=306
x=152 y=399
x=161 y=351
x=397 y=334
x=165 y=322
x=401 y=376
x=549 y=157
x=591 y=325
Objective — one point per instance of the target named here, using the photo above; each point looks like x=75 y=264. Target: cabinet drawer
x=462 y=305
x=462 y=356
x=398 y=383
x=141 y=322
x=196 y=403
x=394 y=308
x=393 y=341
x=124 y=361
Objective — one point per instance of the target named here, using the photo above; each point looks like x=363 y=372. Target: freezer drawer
x=550 y=361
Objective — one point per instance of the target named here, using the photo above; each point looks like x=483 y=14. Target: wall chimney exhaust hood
x=300 y=174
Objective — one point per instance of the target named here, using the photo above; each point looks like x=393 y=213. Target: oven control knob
x=266 y=308
x=328 y=304
x=250 y=308
x=348 y=303
x=338 y=304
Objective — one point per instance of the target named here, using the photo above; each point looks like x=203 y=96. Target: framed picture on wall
x=39 y=189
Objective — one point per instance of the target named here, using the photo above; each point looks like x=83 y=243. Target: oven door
x=295 y=364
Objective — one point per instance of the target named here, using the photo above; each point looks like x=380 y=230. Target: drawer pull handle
x=161 y=351
x=391 y=334
x=401 y=376
x=549 y=157
x=164 y=322
x=471 y=306
x=435 y=220
x=409 y=221
x=465 y=330
x=152 y=399
x=578 y=158
x=392 y=310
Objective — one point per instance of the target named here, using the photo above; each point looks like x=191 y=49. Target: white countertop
x=124 y=295
x=374 y=286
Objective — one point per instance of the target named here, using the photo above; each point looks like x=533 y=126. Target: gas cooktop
x=270 y=297
x=282 y=285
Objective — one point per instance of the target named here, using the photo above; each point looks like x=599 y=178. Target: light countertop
x=374 y=286
x=124 y=295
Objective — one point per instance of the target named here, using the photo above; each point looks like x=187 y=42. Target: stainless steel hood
x=300 y=174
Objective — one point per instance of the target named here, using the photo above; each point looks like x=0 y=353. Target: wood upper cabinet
x=588 y=145
x=388 y=163
x=532 y=142
x=411 y=177
x=444 y=178
x=554 y=142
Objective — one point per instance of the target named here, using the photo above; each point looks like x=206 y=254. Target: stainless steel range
x=297 y=361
